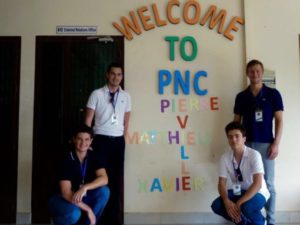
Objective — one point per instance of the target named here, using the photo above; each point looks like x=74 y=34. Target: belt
x=107 y=136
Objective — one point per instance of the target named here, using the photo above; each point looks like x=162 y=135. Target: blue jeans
x=250 y=210
x=269 y=167
x=64 y=212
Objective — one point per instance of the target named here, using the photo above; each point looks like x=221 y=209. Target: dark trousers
x=111 y=151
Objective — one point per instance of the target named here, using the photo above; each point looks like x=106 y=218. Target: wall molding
x=286 y=217
x=196 y=218
x=23 y=218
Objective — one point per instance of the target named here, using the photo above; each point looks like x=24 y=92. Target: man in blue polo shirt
x=256 y=107
x=82 y=194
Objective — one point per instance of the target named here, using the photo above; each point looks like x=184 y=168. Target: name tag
x=114 y=119
x=237 y=189
x=259 y=116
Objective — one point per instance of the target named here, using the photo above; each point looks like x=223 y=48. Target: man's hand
x=78 y=195
x=233 y=211
x=273 y=151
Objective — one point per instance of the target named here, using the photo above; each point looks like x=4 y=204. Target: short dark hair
x=235 y=126
x=254 y=62
x=83 y=129
x=114 y=64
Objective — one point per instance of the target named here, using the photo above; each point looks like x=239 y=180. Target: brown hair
x=254 y=62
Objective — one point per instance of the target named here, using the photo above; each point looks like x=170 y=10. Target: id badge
x=114 y=119
x=237 y=190
x=259 y=115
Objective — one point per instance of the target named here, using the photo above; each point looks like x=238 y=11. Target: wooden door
x=9 y=123
x=67 y=70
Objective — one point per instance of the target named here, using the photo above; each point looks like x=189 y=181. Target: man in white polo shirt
x=110 y=108
x=242 y=198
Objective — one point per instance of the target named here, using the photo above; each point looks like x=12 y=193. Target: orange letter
x=232 y=26
x=214 y=103
x=184 y=170
x=182 y=124
x=128 y=25
x=214 y=20
x=169 y=11
x=134 y=139
x=186 y=7
x=186 y=183
x=158 y=21
x=182 y=105
x=191 y=138
x=145 y=18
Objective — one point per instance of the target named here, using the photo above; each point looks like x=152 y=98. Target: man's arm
x=66 y=191
x=89 y=116
x=101 y=180
x=126 y=122
x=274 y=148
x=231 y=208
x=237 y=118
x=252 y=190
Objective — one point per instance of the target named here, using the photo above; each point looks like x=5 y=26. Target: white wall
x=272 y=30
x=271 y=35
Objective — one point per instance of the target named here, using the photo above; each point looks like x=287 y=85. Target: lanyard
x=83 y=169
x=112 y=100
x=237 y=171
x=82 y=166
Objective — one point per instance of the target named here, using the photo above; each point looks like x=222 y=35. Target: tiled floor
x=176 y=224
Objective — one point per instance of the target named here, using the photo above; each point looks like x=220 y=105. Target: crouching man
x=82 y=193
x=247 y=194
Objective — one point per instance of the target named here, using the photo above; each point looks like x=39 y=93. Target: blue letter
x=183 y=156
x=156 y=185
x=196 y=83
x=164 y=82
x=185 y=85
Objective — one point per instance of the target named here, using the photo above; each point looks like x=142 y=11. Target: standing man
x=243 y=167
x=256 y=107
x=110 y=108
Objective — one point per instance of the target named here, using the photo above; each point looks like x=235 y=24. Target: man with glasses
x=242 y=188
x=110 y=108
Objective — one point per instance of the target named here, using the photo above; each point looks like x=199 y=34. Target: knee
x=248 y=209
x=73 y=216
x=216 y=206
x=103 y=193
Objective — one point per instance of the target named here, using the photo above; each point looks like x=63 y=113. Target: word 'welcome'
x=148 y=18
